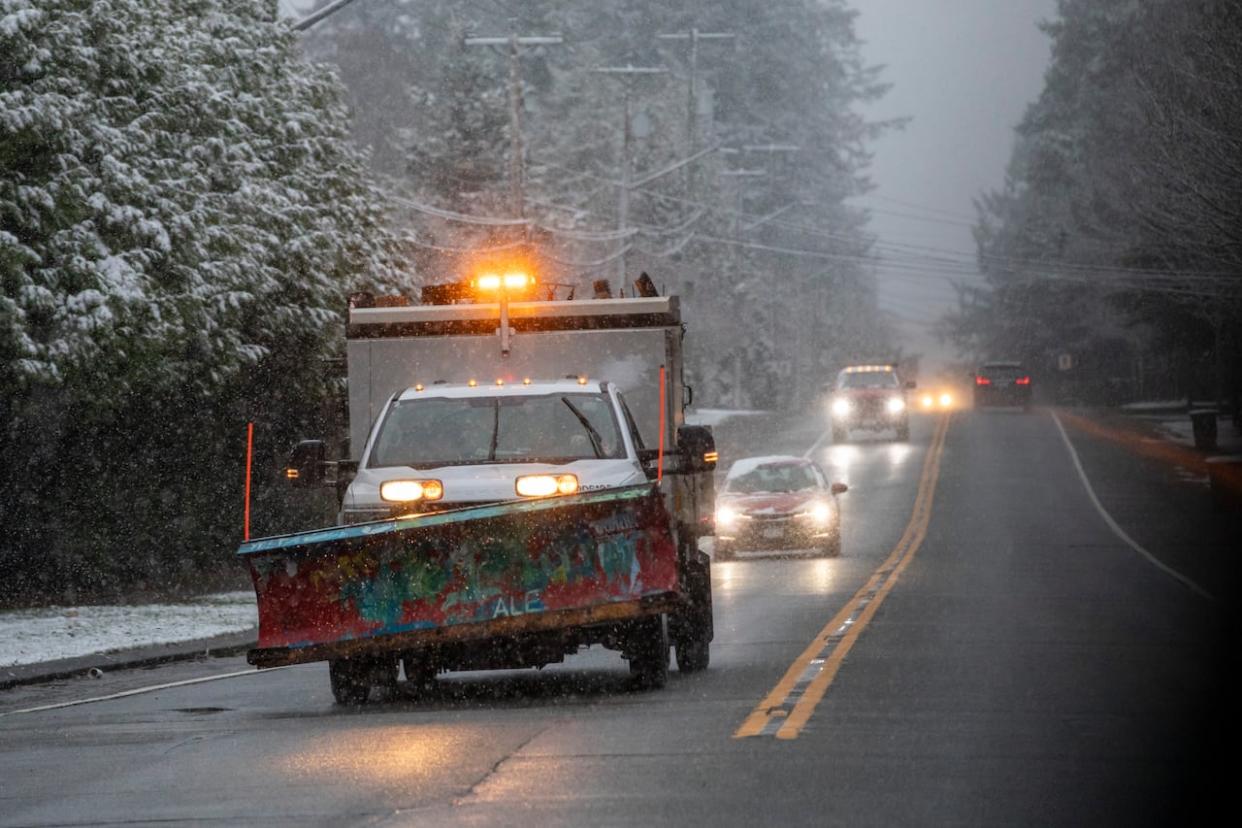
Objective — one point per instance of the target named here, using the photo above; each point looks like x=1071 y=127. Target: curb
x=220 y=646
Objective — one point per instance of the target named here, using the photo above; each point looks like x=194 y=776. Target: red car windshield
x=786 y=477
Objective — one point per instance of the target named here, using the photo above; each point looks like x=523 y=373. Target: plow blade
x=474 y=573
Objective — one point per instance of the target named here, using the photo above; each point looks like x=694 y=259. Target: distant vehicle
x=778 y=502
x=940 y=394
x=870 y=397
x=938 y=399
x=1004 y=384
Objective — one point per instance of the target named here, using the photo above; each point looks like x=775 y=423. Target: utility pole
x=627 y=74
x=738 y=204
x=517 y=159
x=692 y=115
x=772 y=149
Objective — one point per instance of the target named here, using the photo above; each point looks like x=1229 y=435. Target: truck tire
x=420 y=672
x=349 y=680
x=382 y=675
x=722 y=550
x=840 y=435
x=903 y=432
x=694 y=628
x=648 y=651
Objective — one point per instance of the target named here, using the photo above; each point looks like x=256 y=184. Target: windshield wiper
x=491 y=451
x=596 y=442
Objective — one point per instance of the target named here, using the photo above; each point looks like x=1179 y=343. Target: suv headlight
x=841 y=407
x=896 y=405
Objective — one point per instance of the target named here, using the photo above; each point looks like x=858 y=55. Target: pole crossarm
x=630 y=70
x=314 y=17
x=672 y=168
x=522 y=40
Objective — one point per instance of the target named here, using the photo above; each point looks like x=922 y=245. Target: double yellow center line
x=787 y=708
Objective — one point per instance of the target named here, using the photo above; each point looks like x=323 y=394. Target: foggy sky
x=963 y=71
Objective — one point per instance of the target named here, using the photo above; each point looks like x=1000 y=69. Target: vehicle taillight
x=982 y=381
x=1022 y=381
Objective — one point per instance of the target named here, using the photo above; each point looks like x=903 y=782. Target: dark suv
x=1002 y=383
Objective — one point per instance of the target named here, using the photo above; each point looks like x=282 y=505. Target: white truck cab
x=437 y=446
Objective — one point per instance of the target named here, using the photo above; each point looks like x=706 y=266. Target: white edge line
x=1117 y=530
x=140 y=690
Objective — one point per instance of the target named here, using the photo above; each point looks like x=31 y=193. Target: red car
x=778 y=503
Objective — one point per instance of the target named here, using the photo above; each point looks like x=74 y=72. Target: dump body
x=470 y=574
x=623 y=341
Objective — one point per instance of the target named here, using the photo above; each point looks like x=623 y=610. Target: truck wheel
x=349 y=681
x=722 y=550
x=903 y=432
x=648 y=652
x=840 y=435
x=694 y=630
x=382 y=674
x=420 y=672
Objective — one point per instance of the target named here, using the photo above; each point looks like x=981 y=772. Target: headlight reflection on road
x=842 y=456
x=899 y=453
x=377 y=755
x=821 y=574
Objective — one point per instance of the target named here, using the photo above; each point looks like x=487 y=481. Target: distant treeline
x=1117 y=236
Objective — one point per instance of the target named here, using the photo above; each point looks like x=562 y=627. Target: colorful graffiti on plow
x=489 y=564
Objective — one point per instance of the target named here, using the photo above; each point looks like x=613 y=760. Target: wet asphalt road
x=1025 y=667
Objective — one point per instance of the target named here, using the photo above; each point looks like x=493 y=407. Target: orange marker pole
x=660 y=449
x=249 y=458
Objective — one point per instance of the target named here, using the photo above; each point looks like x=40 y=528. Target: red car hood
x=776 y=503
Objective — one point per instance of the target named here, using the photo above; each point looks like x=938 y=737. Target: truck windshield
x=553 y=428
x=869 y=379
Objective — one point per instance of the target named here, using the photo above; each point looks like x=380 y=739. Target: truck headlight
x=841 y=407
x=726 y=517
x=946 y=400
x=895 y=405
x=409 y=491
x=546 y=485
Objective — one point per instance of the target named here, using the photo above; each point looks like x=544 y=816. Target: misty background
x=963 y=73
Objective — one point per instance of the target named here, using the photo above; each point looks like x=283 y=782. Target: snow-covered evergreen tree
x=181 y=216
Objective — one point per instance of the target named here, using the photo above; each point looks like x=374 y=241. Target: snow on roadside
x=716 y=416
x=31 y=636
x=1156 y=405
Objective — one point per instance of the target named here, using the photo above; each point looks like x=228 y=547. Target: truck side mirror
x=698 y=448
x=305 y=467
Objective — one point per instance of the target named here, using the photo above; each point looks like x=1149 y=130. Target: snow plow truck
x=520 y=483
